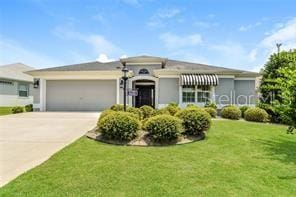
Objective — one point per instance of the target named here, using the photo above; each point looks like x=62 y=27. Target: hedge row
x=162 y=125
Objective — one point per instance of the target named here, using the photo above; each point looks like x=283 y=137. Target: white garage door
x=80 y=95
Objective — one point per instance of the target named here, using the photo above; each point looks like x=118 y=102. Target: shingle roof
x=16 y=72
x=170 y=65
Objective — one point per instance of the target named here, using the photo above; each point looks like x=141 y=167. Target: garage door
x=80 y=95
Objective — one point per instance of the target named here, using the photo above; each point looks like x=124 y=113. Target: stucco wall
x=137 y=68
x=36 y=95
x=224 y=91
x=9 y=94
x=245 y=93
x=7 y=89
x=168 y=90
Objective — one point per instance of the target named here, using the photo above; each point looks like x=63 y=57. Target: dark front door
x=145 y=95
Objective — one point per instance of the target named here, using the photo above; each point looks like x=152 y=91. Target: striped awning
x=199 y=79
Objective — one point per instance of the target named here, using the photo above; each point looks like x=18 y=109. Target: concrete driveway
x=28 y=139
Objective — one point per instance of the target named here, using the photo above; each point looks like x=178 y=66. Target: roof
x=169 y=64
x=16 y=72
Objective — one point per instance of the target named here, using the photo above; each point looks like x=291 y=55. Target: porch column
x=42 y=84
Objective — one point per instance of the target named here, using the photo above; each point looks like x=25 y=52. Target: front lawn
x=5 y=110
x=237 y=158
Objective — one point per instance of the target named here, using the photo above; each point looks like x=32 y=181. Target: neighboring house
x=16 y=87
x=159 y=81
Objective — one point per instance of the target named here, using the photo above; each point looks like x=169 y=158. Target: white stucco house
x=16 y=87
x=158 y=81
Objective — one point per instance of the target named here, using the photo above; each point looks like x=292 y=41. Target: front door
x=145 y=95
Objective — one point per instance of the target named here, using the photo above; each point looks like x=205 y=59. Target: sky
x=234 y=34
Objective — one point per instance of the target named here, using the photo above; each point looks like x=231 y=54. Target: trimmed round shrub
x=243 y=109
x=211 y=111
x=117 y=107
x=192 y=106
x=119 y=126
x=162 y=111
x=256 y=114
x=231 y=112
x=104 y=114
x=164 y=128
x=147 y=111
x=29 y=108
x=16 y=110
x=195 y=120
x=211 y=104
x=135 y=111
x=173 y=109
x=173 y=104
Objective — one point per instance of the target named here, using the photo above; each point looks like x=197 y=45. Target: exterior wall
x=168 y=91
x=137 y=68
x=245 y=93
x=80 y=95
x=9 y=94
x=224 y=92
x=36 y=95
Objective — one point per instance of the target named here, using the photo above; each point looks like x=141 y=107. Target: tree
x=269 y=87
x=287 y=85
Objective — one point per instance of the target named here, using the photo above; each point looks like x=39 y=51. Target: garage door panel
x=80 y=95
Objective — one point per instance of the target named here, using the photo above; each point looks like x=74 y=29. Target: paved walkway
x=28 y=139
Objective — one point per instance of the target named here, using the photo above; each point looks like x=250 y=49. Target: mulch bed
x=142 y=139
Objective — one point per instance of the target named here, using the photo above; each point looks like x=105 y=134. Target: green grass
x=237 y=159
x=5 y=110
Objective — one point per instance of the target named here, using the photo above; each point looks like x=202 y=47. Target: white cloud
x=161 y=15
x=123 y=56
x=98 y=42
x=104 y=58
x=173 y=41
x=249 y=26
x=286 y=34
x=12 y=52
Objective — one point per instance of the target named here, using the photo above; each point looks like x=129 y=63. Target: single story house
x=16 y=87
x=153 y=81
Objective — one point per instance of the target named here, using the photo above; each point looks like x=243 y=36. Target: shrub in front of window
x=195 y=120
x=163 y=128
x=256 y=114
x=243 y=109
x=16 y=110
x=147 y=111
x=192 y=105
x=211 y=111
x=119 y=126
x=211 y=104
x=29 y=108
x=231 y=112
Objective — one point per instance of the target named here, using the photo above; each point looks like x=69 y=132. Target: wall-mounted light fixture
x=36 y=83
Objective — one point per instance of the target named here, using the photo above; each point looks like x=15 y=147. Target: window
x=201 y=93
x=188 y=94
x=24 y=90
x=143 y=71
